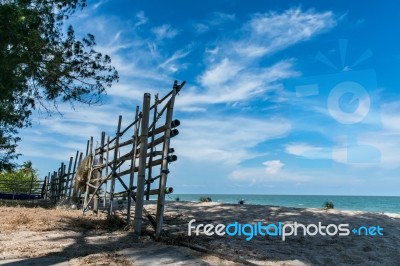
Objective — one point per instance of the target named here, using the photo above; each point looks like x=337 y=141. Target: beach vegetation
x=328 y=205
x=205 y=199
x=22 y=180
x=241 y=201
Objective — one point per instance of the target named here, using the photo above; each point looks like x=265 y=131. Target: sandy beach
x=48 y=236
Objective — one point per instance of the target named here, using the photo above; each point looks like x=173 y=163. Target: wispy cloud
x=233 y=72
x=271 y=32
x=227 y=140
x=165 y=32
x=228 y=82
x=171 y=64
x=214 y=21
x=308 y=151
x=141 y=18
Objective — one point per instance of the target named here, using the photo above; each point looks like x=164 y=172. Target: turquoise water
x=387 y=204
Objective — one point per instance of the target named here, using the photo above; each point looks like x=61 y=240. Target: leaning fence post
x=150 y=170
x=105 y=185
x=164 y=166
x=68 y=177
x=142 y=164
x=91 y=161
x=114 y=168
x=98 y=173
x=73 y=175
x=55 y=186
x=133 y=165
x=59 y=184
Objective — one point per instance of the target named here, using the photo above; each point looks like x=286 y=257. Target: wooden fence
x=137 y=158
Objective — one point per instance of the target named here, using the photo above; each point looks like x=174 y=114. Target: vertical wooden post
x=52 y=187
x=64 y=175
x=76 y=194
x=80 y=158
x=68 y=177
x=60 y=180
x=114 y=170
x=55 y=186
x=98 y=173
x=142 y=164
x=73 y=175
x=164 y=165
x=50 y=184
x=46 y=195
x=133 y=165
x=91 y=161
x=87 y=147
x=149 y=173
x=105 y=185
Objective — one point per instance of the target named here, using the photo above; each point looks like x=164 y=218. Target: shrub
x=328 y=205
x=241 y=201
x=177 y=199
x=205 y=199
x=23 y=180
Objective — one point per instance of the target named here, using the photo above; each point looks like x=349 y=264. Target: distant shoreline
x=373 y=204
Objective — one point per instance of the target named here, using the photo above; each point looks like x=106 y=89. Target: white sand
x=48 y=237
x=295 y=250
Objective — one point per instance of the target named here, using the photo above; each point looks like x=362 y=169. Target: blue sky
x=282 y=97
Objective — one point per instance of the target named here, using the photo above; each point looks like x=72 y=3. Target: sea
x=379 y=204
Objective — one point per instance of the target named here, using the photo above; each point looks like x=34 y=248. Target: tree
x=41 y=65
x=23 y=180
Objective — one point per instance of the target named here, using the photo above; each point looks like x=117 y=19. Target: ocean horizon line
x=335 y=195
x=378 y=204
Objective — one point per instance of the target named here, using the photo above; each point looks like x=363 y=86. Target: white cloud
x=218 y=18
x=223 y=87
x=213 y=51
x=165 y=32
x=375 y=145
x=220 y=73
x=302 y=149
x=271 y=32
x=232 y=72
x=171 y=65
x=201 y=28
x=273 y=167
x=257 y=175
x=141 y=19
x=391 y=117
x=98 y=4
x=214 y=21
x=227 y=140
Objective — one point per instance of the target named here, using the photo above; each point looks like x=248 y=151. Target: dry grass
x=41 y=219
